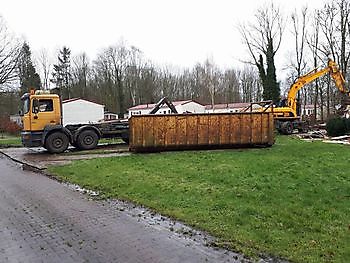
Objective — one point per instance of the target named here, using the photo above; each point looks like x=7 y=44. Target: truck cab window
x=26 y=104
x=43 y=105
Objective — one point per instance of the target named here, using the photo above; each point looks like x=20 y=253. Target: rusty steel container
x=200 y=131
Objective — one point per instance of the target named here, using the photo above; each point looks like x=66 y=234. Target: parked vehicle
x=43 y=126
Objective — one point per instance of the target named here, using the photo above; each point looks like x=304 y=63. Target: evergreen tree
x=26 y=71
x=268 y=77
x=61 y=75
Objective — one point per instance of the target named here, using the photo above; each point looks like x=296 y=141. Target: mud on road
x=39 y=158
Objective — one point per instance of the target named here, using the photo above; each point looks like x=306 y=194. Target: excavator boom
x=286 y=115
x=332 y=68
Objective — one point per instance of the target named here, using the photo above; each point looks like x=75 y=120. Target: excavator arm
x=335 y=73
x=286 y=117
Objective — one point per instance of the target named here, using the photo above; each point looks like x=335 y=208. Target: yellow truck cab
x=40 y=110
x=42 y=126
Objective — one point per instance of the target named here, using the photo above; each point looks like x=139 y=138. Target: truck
x=286 y=114
x=43 y=126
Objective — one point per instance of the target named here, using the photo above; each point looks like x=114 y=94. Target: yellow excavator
x=285 y=114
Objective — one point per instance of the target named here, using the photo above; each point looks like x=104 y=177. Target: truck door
x=42 y=114
x=26 y=114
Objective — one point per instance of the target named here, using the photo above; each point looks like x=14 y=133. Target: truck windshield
x=26 y=104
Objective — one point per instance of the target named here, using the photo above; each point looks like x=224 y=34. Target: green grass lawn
x=111 y=141
x=10 y=141
x=291 y=200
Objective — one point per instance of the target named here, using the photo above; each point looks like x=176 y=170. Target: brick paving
x=42 y=220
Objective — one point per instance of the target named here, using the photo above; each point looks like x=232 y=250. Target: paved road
x=42 y=220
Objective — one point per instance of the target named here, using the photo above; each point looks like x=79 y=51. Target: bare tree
x=335 y=28
x=335 y=25
x=79 y=73
x=263 y=39
x=133 y=73
x=45 y=65
x=313 y=43
x=117 y=56
x=147 y=88
x=211 y=78
x=230 y=83
x=250 y=85
x=110 y=68
x=10 y=49
x=299 y=32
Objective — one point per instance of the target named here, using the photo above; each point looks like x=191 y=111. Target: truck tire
x=87 y=140
x=57 y=142
x=287 y=127
x=303 y=127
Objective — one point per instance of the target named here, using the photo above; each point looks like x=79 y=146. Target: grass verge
x=9 y=141
x=290 y=200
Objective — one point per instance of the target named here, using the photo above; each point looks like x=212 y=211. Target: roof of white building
x=75 y=99
x=228 y=106
x=152 y=105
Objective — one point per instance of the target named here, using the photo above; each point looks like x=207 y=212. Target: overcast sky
x=176 y=32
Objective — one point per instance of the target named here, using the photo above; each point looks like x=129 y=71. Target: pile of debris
x=322 y=135
x=345 y=139
x=311 y=135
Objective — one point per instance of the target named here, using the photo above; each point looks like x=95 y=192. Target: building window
x=309 y=112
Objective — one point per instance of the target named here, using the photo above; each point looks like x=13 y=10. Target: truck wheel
x=303 y=127
x=287 y=127
x=87 y=140
x=57 y=142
